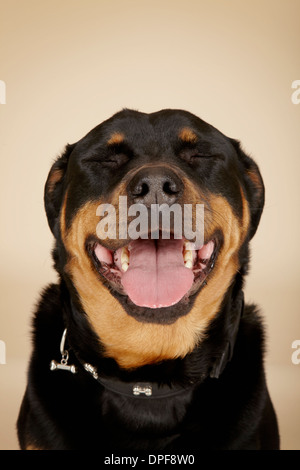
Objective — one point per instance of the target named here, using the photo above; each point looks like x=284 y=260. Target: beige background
x=69 y=64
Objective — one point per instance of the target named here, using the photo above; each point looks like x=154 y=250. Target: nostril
x=170 y=187
x=141 y=190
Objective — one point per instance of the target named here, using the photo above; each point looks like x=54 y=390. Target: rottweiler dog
x=145 y=343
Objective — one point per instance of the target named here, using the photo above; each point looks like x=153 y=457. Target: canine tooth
x=188 y=256
x=125 y=266
x=124 y=255
x=188 y=264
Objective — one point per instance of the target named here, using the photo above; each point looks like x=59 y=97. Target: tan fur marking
x=132 y=343
x=208 y=302
x=116 y=138
x=63 y=216
x=187 y=135
x=256 y=180
x=54 y=177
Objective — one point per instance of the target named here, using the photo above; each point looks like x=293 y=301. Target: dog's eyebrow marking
x=187 y=135
x=116 y=138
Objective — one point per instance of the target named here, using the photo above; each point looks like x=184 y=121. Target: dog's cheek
x=235 y=230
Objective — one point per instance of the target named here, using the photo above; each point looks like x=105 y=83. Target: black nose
x=155 y=185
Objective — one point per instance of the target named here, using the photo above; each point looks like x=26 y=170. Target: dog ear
x=254 y=187
x=54 y=189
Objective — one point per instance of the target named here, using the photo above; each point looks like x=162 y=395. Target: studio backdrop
x=66 y=65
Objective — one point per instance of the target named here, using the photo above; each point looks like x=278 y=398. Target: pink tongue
x=156 y=276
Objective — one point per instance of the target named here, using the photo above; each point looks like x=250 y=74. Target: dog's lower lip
x=110 y=267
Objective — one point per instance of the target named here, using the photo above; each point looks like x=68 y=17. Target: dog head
x=148 y=293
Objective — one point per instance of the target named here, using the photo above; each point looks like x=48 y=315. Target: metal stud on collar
x=141 y=389
x=91 y=369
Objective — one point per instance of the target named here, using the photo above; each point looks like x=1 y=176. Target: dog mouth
x=155 y=273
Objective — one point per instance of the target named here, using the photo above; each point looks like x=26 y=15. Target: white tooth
x=124 y=255
x=188 y=264
x=188 y=256
x=125 y=266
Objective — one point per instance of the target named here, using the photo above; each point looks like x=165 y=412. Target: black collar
x=151 y=389
x=137 y=389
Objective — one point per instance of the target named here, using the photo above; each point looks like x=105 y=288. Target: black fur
x=65 y=411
